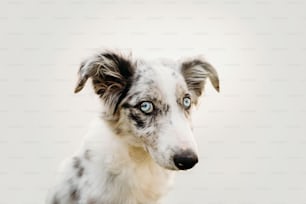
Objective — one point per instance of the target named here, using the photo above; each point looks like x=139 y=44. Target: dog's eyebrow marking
x=128 y=98
x=181 y=92
x=126 y=105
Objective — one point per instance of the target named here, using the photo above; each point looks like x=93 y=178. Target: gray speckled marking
x=80 y=171
x=111 y=177
x=74 y=194
x=140 y=121
x=87 y=154
x=55 y=200
x=174 y=74
x=76 y=162
x=78 y=166
x=91 y=201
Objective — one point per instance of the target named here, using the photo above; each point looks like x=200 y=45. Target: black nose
x=185 y=160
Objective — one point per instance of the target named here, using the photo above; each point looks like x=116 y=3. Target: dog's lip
x=177 y=169
x=172 y=168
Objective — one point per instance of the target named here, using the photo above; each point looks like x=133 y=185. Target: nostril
x=185 y=160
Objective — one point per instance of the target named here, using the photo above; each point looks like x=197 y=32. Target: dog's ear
x=111 y=75
x=195 y=72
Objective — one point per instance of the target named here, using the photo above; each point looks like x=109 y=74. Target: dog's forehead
x=158 y=71
x=158 y=80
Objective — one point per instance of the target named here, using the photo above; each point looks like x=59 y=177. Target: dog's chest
x=142 y=185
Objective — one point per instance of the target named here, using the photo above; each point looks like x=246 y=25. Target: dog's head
x=149 y=103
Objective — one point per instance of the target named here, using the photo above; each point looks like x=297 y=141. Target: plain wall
x=251 y=135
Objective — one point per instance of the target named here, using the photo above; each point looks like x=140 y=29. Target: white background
x=251 y=136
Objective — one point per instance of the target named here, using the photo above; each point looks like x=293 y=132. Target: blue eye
x=146 y=107
x=186 y=102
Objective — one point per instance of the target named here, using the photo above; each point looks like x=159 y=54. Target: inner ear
x=195 y=72
x=111 y=75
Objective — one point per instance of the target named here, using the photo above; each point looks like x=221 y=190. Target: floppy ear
x=195 y=72
x=111 y=75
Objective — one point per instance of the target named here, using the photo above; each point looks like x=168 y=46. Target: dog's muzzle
x=185 y=160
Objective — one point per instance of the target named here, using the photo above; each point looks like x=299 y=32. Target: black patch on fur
x=124 y=66
x=137 y=78
x=152 y=120
x=166 y=108
x=126 y=105
x=74 y=194
x=111 y=75
x=123 y=95
x=126 y=70
x=76 y=162
x=139 y=122
x=77 y=165
x=80 y=171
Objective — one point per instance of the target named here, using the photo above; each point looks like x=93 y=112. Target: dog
x=144 y=134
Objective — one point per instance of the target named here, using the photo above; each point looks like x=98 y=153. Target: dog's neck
x=147 y=181
x=139 y=155
x=135 y=174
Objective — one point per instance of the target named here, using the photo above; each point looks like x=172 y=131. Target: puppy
x=130 y=153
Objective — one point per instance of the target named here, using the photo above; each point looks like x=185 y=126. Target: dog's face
x=149 y=103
